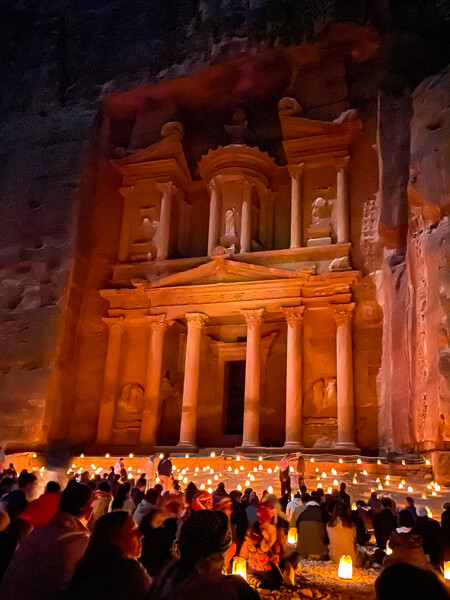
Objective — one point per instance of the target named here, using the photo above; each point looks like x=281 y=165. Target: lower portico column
x=195 y=324
x=152 y=401
x=344 y=356
x=294 y=319
x=250 y=436
x=108 y=398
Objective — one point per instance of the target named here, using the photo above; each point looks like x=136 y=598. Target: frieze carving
x=369 y=240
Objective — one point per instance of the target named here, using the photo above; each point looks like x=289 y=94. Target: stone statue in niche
x=321 y=399
x=320 y=228
x=230 y=239
x=238 y=128
x=129 y=407
x=143 y=245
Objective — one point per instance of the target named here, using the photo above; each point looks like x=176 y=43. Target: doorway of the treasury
x=233 y=397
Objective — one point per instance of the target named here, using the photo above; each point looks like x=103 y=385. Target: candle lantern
x=292 y=536
x=240 y=567
x=447 y=569
x=388 y=548
x=345 y=570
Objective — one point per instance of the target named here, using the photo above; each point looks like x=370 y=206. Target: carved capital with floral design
x=195 y=319
x=114 y=322
x=293 y=314
x=253 y=317
x=158 y=321
x=296 y=171
x=342 y=313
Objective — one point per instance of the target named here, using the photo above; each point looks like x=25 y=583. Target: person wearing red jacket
x=39 y=512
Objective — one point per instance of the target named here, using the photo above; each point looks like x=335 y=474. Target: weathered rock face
x=62 y=112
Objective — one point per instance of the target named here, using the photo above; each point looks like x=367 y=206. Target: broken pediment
x=223 y=270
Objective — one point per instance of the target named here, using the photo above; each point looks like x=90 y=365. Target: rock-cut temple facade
x=233 y=322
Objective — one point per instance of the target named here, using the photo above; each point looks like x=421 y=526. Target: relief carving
x=143 y=247
x=129 y=407
x=321 y=399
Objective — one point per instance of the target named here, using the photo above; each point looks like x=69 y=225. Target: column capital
x=341 y=162
x=342 y=313
x=158 y=321
x=293 y=314
x=166 y=187
x=253 y=316
x=196 y=319
x=296 y=171
x=213 y=185
x=114 y=322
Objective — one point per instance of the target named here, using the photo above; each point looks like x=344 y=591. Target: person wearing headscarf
x=202 y=501
x=262 y=549
x=196 y=573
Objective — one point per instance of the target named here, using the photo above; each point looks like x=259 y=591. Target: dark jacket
x=383 y=524
x=312 y=536
x=157 y=544
x=165 y=467
x=430 y=531
x=109 y=576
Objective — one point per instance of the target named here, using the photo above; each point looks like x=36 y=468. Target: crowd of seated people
x=116 y=538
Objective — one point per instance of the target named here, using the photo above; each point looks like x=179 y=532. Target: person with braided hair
x=196 y=573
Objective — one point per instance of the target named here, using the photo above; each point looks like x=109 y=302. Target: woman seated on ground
x=122 y=500
x=197 y=572
x=406 y=545
x=342 y=535
x=263 y=549
x=109 y=568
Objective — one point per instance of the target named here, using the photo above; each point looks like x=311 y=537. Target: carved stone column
x=112 y=363
x=163 y=234
x=344 y=356
x=246 y=218
x=342 y=217
x=294 y=418
x=195 y=324
x=214 y=217
x=152 y=400
x=250 y=435
x=296 y=173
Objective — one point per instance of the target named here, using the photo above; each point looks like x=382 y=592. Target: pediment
x=223 y=270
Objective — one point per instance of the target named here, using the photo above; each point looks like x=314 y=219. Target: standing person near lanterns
x=165 y=470
x=301 y=469
x=150 y=472
x=343 y=495
x=285 y=477
x=120 y=464
x=409 y=506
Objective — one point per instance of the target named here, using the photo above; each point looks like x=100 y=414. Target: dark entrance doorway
x=234 y=397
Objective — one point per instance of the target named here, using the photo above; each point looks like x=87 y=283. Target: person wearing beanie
x=196 y=574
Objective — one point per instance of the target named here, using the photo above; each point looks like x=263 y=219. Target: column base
x=292 y=447
x=250 y=447
x=346 y=446
x=186 y=447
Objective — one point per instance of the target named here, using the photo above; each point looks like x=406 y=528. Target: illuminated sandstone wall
x=59 y=203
